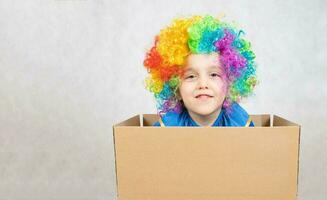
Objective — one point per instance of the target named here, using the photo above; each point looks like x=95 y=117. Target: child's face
x=203 y=87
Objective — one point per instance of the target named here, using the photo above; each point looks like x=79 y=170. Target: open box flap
x=260 y=120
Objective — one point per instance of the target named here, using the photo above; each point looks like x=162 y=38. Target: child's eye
x=215 y=75
x=190 y=77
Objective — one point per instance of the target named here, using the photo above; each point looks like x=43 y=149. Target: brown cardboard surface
x=207 y=163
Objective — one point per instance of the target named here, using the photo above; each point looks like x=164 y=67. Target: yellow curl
x=154 y=84
x=172 y=45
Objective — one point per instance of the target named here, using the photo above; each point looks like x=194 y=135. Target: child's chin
x=205 y=112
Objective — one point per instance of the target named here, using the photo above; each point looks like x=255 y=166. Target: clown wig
x=198 y=35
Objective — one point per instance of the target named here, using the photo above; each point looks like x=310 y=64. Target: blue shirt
x=237 y=117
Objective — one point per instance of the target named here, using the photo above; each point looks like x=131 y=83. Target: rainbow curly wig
x=198 y=35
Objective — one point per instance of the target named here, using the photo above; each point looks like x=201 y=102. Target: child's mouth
x=203 y=96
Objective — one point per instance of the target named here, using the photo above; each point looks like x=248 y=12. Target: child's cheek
x=224 y=88
x=224 y=84
x=186 y=88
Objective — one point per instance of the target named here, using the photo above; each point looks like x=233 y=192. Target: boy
x=199 y=69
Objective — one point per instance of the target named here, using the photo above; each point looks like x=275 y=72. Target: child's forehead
x=202 y=61
x=196 y=68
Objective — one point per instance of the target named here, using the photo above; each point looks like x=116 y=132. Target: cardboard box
x=207 y=163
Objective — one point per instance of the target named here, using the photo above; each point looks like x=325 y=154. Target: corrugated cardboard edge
x=289 y=123
x=134 y=118
x=298 y=162
x=298 y=153
x=113 y=135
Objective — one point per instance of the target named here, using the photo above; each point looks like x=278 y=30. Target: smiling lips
x=203 y=96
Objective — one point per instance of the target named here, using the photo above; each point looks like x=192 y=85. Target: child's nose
x=203 y=84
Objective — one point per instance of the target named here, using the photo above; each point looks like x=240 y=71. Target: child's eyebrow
x=188 y=69
x=215 y=67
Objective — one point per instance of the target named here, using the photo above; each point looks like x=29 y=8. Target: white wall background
x=69 y=69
